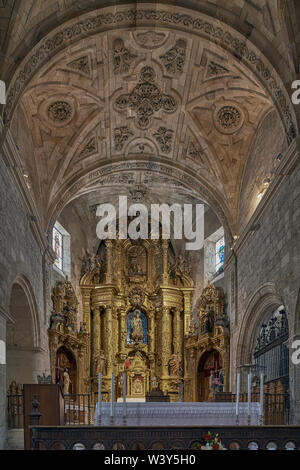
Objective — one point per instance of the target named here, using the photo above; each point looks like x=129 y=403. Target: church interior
x=178 y=103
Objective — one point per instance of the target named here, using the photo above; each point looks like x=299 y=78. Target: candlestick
x=238 y=384
x=261 y=397
x=249 y=396
x=112 y=397
x=99 y=396
x=124 y=398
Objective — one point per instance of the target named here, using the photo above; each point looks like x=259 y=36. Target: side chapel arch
x=23 y=337
x=261 y=304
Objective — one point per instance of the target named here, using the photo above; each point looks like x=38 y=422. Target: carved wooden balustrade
x=164 y=438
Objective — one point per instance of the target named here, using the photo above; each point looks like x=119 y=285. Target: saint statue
x=66 y=382
x=136 y=327
x=136 y=268
x=211 y=386
x=100 y=364
x=207 y=323
x=221 y=380
x=174 y=364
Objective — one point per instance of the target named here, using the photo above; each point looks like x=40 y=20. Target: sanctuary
x=149 y=235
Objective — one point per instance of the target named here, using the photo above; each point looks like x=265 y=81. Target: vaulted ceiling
x=154 y=95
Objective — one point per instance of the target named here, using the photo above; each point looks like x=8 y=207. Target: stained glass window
x=220 y=252
x=57 y=241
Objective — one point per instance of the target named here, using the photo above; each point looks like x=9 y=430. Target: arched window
x=271 y=352
x=220 y=253
x=61 y=248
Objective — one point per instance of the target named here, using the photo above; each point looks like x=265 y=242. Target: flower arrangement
x=211 y=443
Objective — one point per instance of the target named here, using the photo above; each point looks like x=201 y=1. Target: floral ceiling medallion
x=60 y=112
x=228 y=119
x=146 y=99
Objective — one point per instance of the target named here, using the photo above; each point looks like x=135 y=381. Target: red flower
x=199 y=446
x=215 y=447
x=219 y=439
x=207 y=437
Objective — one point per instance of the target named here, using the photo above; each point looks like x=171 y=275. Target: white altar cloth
x=177 y=414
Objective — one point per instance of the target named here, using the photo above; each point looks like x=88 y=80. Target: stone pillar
x=166 y=341
x=48 y=260
x=3 y=385
x=53 y=348
x=209 y=260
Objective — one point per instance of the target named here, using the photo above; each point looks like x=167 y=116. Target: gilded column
x=122 y=334
x=187 y=310
x=177 y=330
x=95 y=335
x=86 y=300
x=166 y=341
x=115 y=336
x=109 y=245
x=151 y=330
x=165 y=245
x=109 y=335
x=80 y=372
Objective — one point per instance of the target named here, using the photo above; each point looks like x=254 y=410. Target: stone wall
x=2 y=387
x=20 y=257
x=271 y=258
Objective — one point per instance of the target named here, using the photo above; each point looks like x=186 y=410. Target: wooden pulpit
x=51 y=406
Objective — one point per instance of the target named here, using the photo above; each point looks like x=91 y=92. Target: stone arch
x=93 y=180
x=202 y=380
x=24 y=283
x=23 y=337
x=297 y=315
x=261 y=304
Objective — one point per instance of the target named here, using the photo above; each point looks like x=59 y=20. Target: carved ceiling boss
x=146 y=98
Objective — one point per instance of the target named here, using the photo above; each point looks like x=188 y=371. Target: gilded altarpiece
x=137 y=305
x=68 y=345
x=207 y=349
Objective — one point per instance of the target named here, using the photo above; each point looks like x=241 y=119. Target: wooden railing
x=79 y=408
x=15 y=411
x=275 y=409
x=163 y=438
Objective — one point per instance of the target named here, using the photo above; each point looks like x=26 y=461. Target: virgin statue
x=136 y=327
